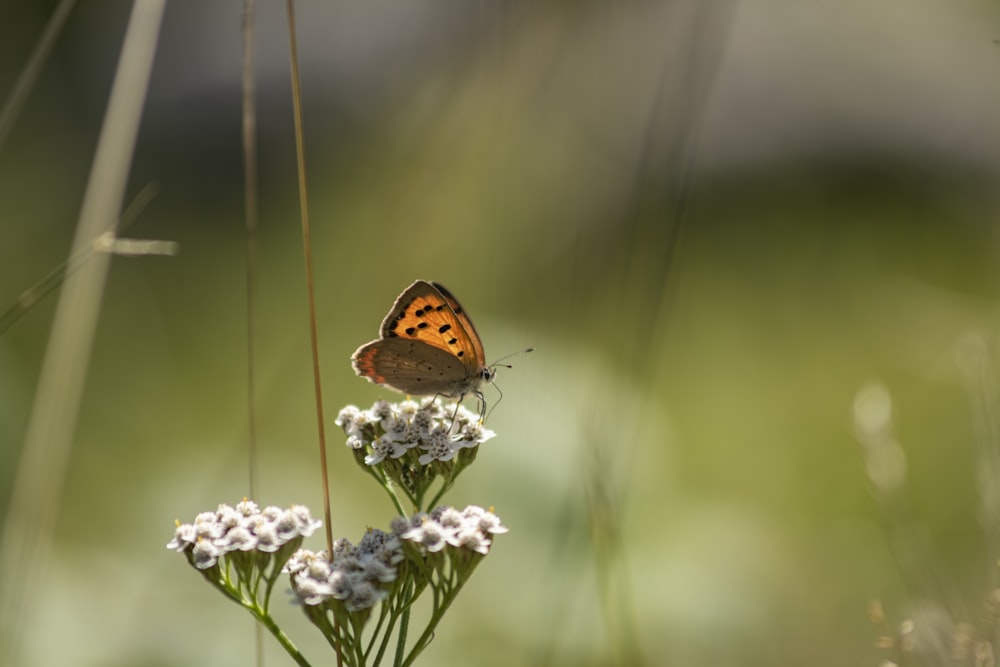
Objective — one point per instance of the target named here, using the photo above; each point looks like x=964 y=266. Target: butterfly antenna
x=499 y=362
x=483 y=414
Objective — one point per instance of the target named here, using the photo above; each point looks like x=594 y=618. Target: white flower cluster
x=242 y=528
x=390 y=430
x=355 y=576
x=358 y=575
x=468 y=529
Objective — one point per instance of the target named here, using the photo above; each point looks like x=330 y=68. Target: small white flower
x=342 y=547
x=341 y=584
x=381 y=448
x=472 y=540
x=267 y=537
x=247 y=508
x=361 y=421
x=310 y=576
x=394 y=556
x=380 y=410
x=395 y=428
x=428 y=534
x=271 y=513
x=286 y=526
x=318 y=568
x=466 y=416
x=473 y=434
x=229 y=517
x=372 y=541
x=363 y=596
x=355 y=441
x=400 y=524
x=237 y=539
x=205 y=554
x=207 y=526
x=486 y=522
x=438 y=447
x=184 y=536
x=347 y=415
x=382 y=545
x=408 y=408
x=205 y=518
x=304 y=521
x=423 y=422
x=376 y=541
x=410 y=440
x=376 y=570
x=473 y=512
x=298 y=562
x=447 y=516
x=309 y=590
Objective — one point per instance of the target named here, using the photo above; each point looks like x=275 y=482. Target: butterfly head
x=489 y=373
x=486 y=376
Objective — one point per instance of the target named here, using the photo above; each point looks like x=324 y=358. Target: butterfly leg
x=482 y=405
x=482 y=399
x=454 y=415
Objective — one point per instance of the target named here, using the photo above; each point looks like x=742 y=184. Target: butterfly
x=427 y=345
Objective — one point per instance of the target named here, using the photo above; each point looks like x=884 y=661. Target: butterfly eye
x=488 y=374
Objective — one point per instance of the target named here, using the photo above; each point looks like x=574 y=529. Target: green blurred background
x=717 y=222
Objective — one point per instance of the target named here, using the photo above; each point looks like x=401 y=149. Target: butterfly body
x=427 y=345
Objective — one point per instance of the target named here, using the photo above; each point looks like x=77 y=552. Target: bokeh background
x=754 y=243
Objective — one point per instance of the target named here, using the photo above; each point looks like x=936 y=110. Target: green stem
x=406 y=595
x=357 y=628
x=382 y=615
x=384 y=644
x=404 y=624
x=273 y=628
x=269 y=587
x=395 y=500
x=222 y=584
x=418 y=498
x=401 y=600
x=428 y=633
x=386 y=484
x=444 y=487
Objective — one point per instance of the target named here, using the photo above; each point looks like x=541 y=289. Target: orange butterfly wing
x=430 y=314
x=456 y=307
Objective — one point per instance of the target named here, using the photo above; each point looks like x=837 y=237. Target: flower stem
x=428 y=633
x=447 y=485
x=265 y=619
x=406 y=597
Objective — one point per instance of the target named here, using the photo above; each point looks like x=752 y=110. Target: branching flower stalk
x=410 y=449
